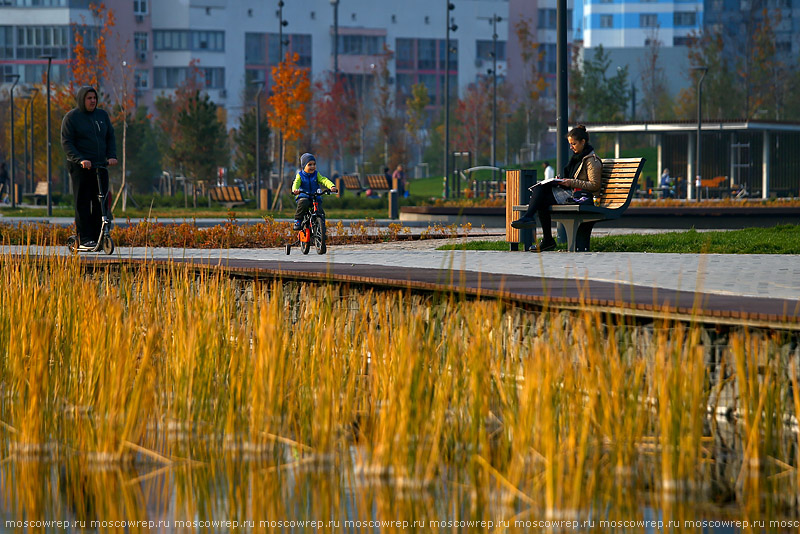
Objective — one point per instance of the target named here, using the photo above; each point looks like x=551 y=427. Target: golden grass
x=555 y=411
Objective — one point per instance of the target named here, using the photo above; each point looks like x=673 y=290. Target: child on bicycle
x=307 y=181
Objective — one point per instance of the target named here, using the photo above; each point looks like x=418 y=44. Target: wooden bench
x=227 y=195
x=619 y=182
x=40 y=193
x=378 y=183
x=349 y=182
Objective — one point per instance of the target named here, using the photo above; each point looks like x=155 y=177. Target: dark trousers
x=303 y=205
x=541 y=199
x=88 y=215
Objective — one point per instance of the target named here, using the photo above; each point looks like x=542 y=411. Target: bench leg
x=578 y=232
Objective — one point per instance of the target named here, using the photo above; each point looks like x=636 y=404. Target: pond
x=167 y=395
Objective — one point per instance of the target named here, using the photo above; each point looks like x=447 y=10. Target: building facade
x=233 y=43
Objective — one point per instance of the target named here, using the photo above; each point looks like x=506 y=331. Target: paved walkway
x=759 y=289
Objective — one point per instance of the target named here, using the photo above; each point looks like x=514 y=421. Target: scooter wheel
x=288 y=249
x=108 y=245
x=72 y=244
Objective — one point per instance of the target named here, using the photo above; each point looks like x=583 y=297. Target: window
x=404 y=56
x=606 y=21
x=547 y=19
x=170 y=77
x=484 y=50
x=140 y=7
x=681 y=41
x=426 y=54
x=6 y=42
x=140 y=41
x=361 y=45
x=35 y=41
x=783 y=47
x=255 y=48
x=211 y=41
x=648 y=20
x=547 y=64
x=453 y=54
x=685 y=18
x=141 y=79
x=301 y=45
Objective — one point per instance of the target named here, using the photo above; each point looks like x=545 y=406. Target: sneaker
x=297 y=225
x=546 y=245
x=88 y=245
x=524 y=222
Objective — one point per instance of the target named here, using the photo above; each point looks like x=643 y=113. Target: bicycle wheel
x=305 y=243
x=318 y=233
x=108 y=245
x=72 y=244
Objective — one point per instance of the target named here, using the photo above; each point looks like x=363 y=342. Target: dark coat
x=87 y=135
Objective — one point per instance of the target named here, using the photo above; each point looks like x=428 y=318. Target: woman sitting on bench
x=586 y=177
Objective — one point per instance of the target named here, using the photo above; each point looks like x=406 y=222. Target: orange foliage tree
x=289 y=100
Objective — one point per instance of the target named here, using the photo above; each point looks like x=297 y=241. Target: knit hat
x=305 y=158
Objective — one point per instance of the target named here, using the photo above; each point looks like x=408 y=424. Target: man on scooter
x=306 y=182
x=87 y=136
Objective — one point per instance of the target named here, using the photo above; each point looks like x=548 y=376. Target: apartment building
x=236 y=42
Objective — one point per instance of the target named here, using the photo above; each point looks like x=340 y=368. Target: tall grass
x=550 y=414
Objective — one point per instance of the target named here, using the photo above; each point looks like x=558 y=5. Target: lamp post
x=495 y=19
x=34 y=92
x=49 y=142
x=561 y=85
x=27 y=98
x=281 y=24
x=703 y=70
x=335 y=4
x=14 y=77
x=257 y=187
x=453 y=27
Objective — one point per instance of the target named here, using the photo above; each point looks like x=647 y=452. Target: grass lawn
x=775 y=240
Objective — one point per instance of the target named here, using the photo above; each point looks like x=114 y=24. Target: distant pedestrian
x=549 y=171
x=400 y=176
x=388 y=175
x=3 y=181
x=666 y=185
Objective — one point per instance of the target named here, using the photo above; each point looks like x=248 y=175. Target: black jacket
x=86 y=135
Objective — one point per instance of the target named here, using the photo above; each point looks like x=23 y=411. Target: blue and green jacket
x=309 y=183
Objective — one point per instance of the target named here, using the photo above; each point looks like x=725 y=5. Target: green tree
x=203 y=143
x=244 y=146
x=144 y=163
x=604 y=99
x=416 y=116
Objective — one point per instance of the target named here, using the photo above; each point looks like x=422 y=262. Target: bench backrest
x=378 y=181
x=619 y=180
x=225 y=193
x=351 y=181
x=41 y=189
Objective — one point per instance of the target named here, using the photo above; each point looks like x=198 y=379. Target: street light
x=34 y=92
x=453 y=27
x=703 y=69
x=561 y=85
x=49 y=143
x=335 y=4
x=494 y=20
x=14 y=77
x=258 y=144
x=28 y=99
x=281 y=24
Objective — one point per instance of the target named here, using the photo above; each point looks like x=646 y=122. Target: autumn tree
x=416 y=115
x=333 y=100
x=473 y=116
x=288 y=104
x=536 y=106
x=388 y=121
x=721 y=94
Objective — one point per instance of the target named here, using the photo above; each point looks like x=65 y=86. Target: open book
x=557 y=181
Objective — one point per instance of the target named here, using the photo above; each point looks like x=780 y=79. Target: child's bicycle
x=104 y=241
x=313 y=227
